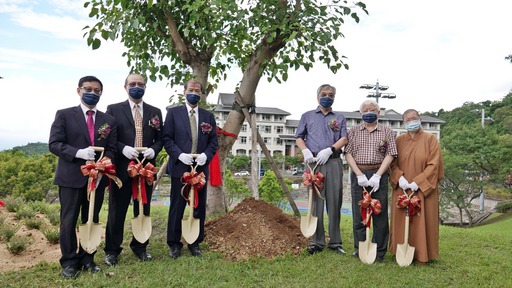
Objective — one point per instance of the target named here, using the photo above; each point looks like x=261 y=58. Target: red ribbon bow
x=194 y=180
x=316 y=181
x=369 y=206
x=139 y=174
x=2 y=204
x=103 y=166
x=411 y=203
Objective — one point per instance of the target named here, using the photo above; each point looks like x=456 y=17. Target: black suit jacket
x=177 y=139
x=151 y=136
x=68 y=134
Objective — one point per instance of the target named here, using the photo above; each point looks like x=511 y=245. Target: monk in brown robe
x=418 y=168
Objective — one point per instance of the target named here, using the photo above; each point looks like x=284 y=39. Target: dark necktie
x=90 y=126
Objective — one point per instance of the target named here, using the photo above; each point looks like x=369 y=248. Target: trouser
x=380 y=222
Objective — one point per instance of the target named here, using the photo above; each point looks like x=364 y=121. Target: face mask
x=369 y=117
x=193 y=99
x=326 y=101
x=136 y=92
x=90 y=98
x=413 y=126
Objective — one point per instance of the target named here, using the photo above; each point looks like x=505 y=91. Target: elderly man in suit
x=188 y=129
x=73 y=131
x=138 y=125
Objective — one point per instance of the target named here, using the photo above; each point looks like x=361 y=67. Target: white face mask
x=413 y=125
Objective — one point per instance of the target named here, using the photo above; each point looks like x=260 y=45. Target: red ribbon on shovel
x=139 y=174
x=412 y=203
x=197 y=180
x=374 y=206
x=315 y=180
x=103 y=166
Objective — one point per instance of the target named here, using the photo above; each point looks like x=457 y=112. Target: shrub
x=13 y=204
x=504 y=206
x=7 y=231
x=34 y=223
x=52 y=235
x=25 y=212
x=18 y=244
x=54 y=217
x=40 y=206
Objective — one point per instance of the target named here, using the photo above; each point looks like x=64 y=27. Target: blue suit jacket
x=177 y=139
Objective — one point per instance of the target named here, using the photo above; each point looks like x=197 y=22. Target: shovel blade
x=142 y=228
x=308 y=225
x=89 y=235
x=190 y=230
x=367 y=250
x=404 y=254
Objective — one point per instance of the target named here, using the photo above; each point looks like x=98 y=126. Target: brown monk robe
x=419 y=160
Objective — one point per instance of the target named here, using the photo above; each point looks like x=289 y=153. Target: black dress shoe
x=69 y=272
x=175 y=253
x=91 y=267
x=355 y=254
x=144 y=256
x=195 y=251
x=312 y=249
x=380 y=260
x=111 y=259
x=338 y=250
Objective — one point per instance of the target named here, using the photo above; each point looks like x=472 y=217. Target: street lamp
x=377 y=94
x=482 y=195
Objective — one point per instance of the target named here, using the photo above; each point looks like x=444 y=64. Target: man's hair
x=89 y=79
x=409 y=111
x=126 y=80
x=194 y=81
x=369 y=102
x=323 y=86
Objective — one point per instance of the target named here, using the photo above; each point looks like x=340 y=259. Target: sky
x=431 y=54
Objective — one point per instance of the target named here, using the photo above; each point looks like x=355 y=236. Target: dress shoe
x=91 y=267
x=111 y=259
x=69 y=272
x=338 y=250
x=312 y=249
x=195 y=251
x=175 y=253
x=355 y=254
x=380 y=260
x=144 y=256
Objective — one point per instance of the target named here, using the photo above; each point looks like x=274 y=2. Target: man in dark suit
x=179 y=143
x=150 y=135
x=72 y=133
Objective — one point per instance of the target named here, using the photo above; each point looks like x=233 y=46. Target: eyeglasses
x=90 y=89
x=138 y=84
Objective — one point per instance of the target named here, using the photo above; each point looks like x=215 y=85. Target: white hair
x=369 y=102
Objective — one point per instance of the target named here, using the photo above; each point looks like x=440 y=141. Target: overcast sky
x=432 y=54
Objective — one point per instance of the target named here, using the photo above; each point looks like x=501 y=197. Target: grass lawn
x=477 y=257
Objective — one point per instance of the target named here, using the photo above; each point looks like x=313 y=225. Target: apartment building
x=278 y=132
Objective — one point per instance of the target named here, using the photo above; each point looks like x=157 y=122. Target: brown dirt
x=255 y=228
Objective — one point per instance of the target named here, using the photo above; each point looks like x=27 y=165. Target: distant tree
x=37 y=148
x=240 y=162
x=270 y=190
x=236 y=189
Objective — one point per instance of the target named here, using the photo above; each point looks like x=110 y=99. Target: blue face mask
x=413 y=126
x=369 y=117
x=193 y=99
x=326 y=101
x=90 y=98
x=136 y=92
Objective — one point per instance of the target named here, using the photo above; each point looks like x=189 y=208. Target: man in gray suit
x=73 y=131
x=150 y=135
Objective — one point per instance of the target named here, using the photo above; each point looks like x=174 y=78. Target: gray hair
x=409 y=111
x=323 y=86
x=369 y=102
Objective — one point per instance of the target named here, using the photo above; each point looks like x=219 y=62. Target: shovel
x=190 y=227
x=367 y=250
x=141 y=225
x=308 y=223
x=89 y=234
x=405 y=252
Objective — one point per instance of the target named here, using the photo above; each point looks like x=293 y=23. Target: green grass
x=477 y=257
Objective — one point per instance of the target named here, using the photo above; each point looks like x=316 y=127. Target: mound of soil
x=255 y=228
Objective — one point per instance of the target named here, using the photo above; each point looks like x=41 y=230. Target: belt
x=336 y=154
x=369 y=167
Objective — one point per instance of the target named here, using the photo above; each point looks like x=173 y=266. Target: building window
x=243 y=140
x=278 y=117
x=279 y=129
x=265 y=117
x=266 y=140
x=244 y=128
x=279 y=141
x=268 y=129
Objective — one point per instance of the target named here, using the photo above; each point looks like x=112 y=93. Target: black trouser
x=118 y=204
x=176 y=210
x=72 y=202
x=380 y=222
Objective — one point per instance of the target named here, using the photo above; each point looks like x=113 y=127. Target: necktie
x=90 y=126
x=138 y=126
x=193 y=131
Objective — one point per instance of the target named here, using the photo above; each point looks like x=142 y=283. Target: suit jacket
x=151 y=136
x=69 y=134
x=177 y=139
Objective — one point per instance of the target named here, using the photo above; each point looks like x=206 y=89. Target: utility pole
x=377 y=94
x=482 y=194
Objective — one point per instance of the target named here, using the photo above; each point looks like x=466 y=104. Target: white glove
x=375 y=182
x=308 y=156
x=413 y=186
x=323 y=156
x=201 y=159
x=403 y=183
x=130 y=152
x=149 y=153
x=187 y=159
x=362 y=181
x=86 y=153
